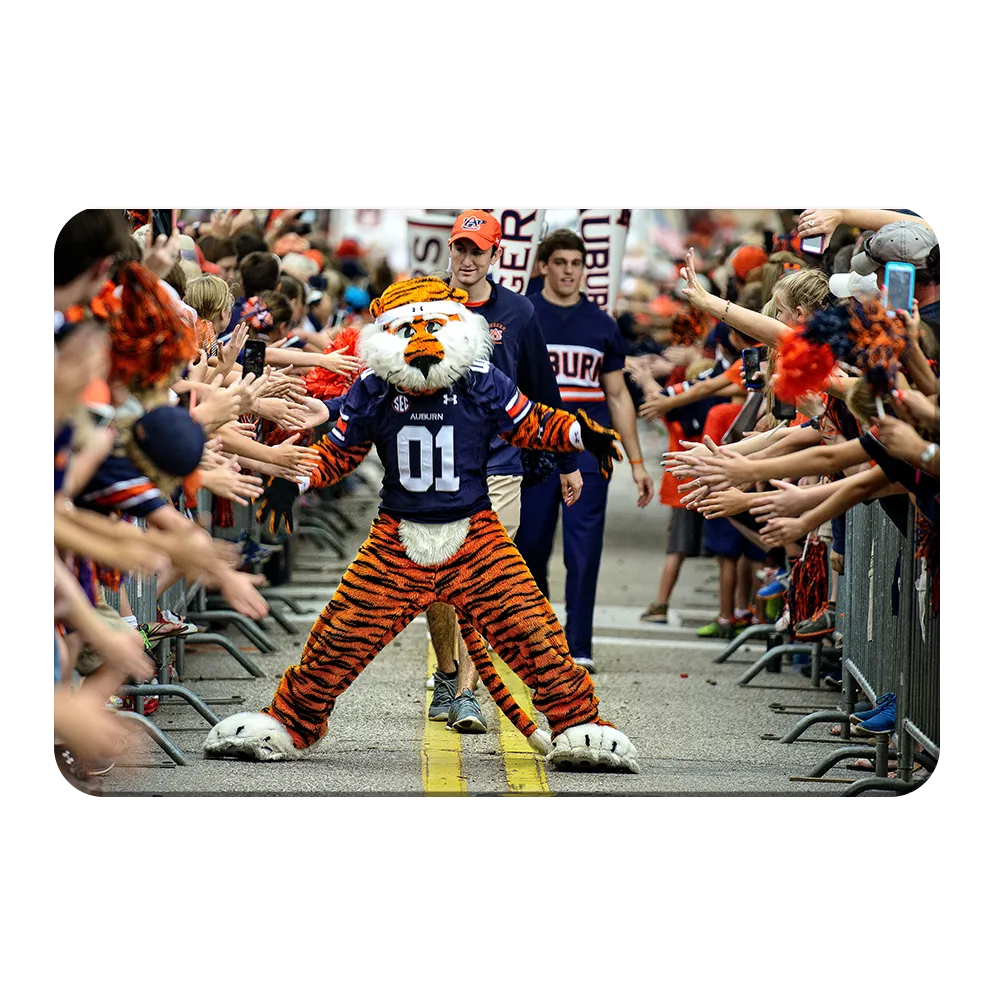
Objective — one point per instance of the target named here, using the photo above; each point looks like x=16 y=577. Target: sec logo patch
x=401 y=404
x=496 y=332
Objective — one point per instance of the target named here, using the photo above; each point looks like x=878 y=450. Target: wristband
x=726 y=313
x=928 y=453
x=636 y=461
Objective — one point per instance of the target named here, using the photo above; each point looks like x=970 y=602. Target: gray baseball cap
x=905 y=241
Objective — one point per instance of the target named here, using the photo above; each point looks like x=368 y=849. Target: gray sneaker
x=444 y=695
x=465 y=715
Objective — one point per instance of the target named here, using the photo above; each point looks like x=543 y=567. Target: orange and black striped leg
x=380 y=594
x=494 y=684
x=488 y=582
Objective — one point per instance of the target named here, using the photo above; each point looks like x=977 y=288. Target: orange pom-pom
x=323 y=384
x=803 y=367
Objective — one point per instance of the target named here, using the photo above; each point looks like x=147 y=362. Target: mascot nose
x=424 y=363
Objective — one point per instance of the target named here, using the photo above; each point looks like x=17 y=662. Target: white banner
x=522 y=231
x=427 y=242
x=603 y=231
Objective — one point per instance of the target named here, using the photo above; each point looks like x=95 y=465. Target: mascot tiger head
x=423 y=338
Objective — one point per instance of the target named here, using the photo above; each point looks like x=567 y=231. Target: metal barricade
x=891 y=642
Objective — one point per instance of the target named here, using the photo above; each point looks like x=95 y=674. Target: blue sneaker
x=889 y=698
x=444 y=695
x=465 y=715
x=883 y=722
x=777 y=587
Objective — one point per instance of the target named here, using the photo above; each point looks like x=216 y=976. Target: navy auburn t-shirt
x=119 y=485
x=584 y=342
x=433 y=448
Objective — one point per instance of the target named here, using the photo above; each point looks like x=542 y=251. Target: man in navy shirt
x=588 y=357
x=519 y=351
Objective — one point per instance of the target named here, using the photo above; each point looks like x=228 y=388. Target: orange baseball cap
x=746 y=259
x=478 y=226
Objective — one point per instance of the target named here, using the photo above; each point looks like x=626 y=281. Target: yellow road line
x=441 y=750
x=525 y=769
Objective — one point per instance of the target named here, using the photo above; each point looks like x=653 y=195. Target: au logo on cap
x=472 y=223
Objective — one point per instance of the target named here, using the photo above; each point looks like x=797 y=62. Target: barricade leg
x=214 y=639
x=246 y=625
x=770 y=656
x=175 y=689
x=156 y=734
x=748 y=633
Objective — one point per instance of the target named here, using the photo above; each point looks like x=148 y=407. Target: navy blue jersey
x=583 y=342
x=519 y=351
x=119 y=485
x=434 y=448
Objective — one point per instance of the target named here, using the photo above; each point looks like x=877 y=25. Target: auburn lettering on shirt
x=435 y=448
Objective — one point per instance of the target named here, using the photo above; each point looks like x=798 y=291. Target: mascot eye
x=433 y=326
x=406 y=330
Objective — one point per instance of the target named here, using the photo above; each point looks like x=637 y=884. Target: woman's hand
x=228 y=353
x=697 y=297
x=339 y=362
x=817 y=221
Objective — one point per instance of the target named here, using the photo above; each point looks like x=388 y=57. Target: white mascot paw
x=593 y=748
x=250 y=736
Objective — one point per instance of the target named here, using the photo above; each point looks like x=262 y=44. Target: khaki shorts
x=505 y=496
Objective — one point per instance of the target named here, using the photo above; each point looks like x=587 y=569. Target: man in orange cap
x=520 y=352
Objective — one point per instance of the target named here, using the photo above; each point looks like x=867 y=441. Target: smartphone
x=900 y=279
x=745 y=420
x=813 y=244
x=782 y=410
x=751 y=369
x=253 y=357
x=164 y=221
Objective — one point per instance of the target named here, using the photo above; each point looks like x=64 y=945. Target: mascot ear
x=375 y=307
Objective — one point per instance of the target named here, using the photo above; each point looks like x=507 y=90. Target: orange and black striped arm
x=335 y=462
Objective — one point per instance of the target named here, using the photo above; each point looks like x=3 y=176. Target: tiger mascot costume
x=430 y=402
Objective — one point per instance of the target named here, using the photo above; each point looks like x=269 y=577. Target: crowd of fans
x=155 y=409
x=846 y=411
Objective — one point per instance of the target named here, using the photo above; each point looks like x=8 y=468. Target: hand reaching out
x=916 y=407
x=226 y=481
x=723 y=503
x=162 y=255
x=338 y=362
x=228 y=353
x=290 y=456
x=786 y=501
x=696 y=296
x=900 y=439
x=782 y=531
